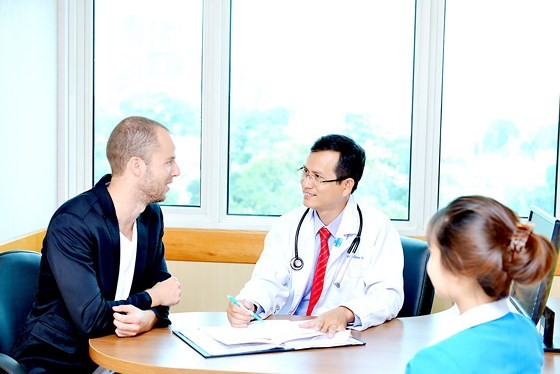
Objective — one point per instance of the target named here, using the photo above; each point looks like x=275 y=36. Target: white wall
x=28 y=110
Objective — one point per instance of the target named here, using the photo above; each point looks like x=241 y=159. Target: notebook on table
x=261 y=337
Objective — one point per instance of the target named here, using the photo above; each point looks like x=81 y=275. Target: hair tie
x=520 y=236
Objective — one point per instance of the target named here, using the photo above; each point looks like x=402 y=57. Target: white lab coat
x=372 y=286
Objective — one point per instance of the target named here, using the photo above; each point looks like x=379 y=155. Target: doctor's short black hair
x=352 y=157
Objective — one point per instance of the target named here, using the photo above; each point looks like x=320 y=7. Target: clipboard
x=208 y=347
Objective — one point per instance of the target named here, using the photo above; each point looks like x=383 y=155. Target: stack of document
x=260 y=337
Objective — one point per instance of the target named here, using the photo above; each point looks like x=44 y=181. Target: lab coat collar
x=343 y=229
x=332 y=227
x=349 y=226
x=345 y=224
x=350 y=220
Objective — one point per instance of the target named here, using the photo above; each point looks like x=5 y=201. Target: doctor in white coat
x=362 y=288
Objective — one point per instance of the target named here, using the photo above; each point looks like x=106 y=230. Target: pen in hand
x=236 y=302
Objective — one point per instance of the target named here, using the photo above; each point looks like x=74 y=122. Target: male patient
x=103 y=269
x=319 y=277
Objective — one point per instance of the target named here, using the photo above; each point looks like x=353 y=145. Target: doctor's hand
x=166 y=293
x=131 y=321
x=239 y=317
x=332 y=321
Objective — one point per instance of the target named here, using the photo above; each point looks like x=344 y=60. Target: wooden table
x=388 y=348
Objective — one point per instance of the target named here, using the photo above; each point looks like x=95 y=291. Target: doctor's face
x=318 y=192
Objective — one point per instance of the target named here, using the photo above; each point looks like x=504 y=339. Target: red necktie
x=319 y=276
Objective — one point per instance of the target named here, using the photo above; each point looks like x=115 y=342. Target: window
x=447 y=98
x=148 y=63
x=499 y=127
x=303 y=69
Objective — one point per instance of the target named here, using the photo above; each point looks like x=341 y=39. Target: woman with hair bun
x=477 y=248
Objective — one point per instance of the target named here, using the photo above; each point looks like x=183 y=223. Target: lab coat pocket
x=358 y=266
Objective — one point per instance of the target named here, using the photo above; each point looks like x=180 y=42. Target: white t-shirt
x=126 y=267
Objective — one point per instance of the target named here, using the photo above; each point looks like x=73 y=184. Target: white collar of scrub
x=478 y=315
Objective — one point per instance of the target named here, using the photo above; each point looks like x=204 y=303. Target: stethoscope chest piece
x=296 y=263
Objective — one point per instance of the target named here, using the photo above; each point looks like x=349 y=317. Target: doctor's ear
x=348 y=185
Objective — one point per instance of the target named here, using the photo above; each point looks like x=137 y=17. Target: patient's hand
x=131 y=321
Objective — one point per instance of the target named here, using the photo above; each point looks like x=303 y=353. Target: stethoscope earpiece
x=296 y=263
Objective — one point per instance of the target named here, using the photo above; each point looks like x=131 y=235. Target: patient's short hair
x=132 y=137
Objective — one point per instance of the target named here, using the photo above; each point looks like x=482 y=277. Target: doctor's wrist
x=350 y=317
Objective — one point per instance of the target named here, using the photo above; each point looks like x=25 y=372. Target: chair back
x=19 y=276
x=418 y=289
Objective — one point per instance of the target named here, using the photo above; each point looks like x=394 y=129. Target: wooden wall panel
x=242 y=247
x=31 y=242
x=196 y=245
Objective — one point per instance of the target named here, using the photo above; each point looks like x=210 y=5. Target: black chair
x=19 y=275
x=418 y=289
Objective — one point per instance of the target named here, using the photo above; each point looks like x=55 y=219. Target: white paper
x=270 y=332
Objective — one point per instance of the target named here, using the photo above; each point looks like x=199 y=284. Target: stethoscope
x=297 y=263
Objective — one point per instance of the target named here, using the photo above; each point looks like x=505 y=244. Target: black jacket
x=78 y=281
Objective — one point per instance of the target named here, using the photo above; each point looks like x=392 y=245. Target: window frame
x=76 y=117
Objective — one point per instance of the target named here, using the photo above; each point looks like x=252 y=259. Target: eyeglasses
x=316 y=179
